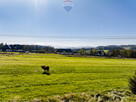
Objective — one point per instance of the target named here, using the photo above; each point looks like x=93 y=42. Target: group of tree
x=122 y=53
x=91 y=51
x=39 y=48
x=110 y=47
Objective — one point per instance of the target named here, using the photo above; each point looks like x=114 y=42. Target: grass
x=114 y=96
x=21 y=75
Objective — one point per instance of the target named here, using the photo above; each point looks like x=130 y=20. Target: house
x=12 y=48
x=16 y=48
x=75 y=53
x=6 y=48
x=64 y=51
x=100 y=53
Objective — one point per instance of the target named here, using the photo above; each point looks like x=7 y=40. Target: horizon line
x=74 y=37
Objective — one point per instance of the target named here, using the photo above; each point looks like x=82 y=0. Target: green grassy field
x=21 y=75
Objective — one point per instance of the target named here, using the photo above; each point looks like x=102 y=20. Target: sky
x=89 y=23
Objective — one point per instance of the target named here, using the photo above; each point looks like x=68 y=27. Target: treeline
x=39 y=49
x=119 y=52
x=92 y=52
x=122 y=53
x=118 y=47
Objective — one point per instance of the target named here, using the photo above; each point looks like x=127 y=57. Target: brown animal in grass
x=45 y=68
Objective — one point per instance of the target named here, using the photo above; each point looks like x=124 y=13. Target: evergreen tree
x=91 y=51
x=1 y=45
x=81 y=52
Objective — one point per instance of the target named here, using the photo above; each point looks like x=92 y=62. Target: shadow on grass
x=47 y=73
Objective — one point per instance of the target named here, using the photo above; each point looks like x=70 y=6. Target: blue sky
x=89 y=23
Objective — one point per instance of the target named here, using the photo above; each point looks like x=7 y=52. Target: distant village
x=46 y=49
x=107 y=51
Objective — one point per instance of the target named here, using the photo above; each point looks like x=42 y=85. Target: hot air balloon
x=68 y=5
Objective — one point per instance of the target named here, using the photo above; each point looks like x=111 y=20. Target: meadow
x=21 y=75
